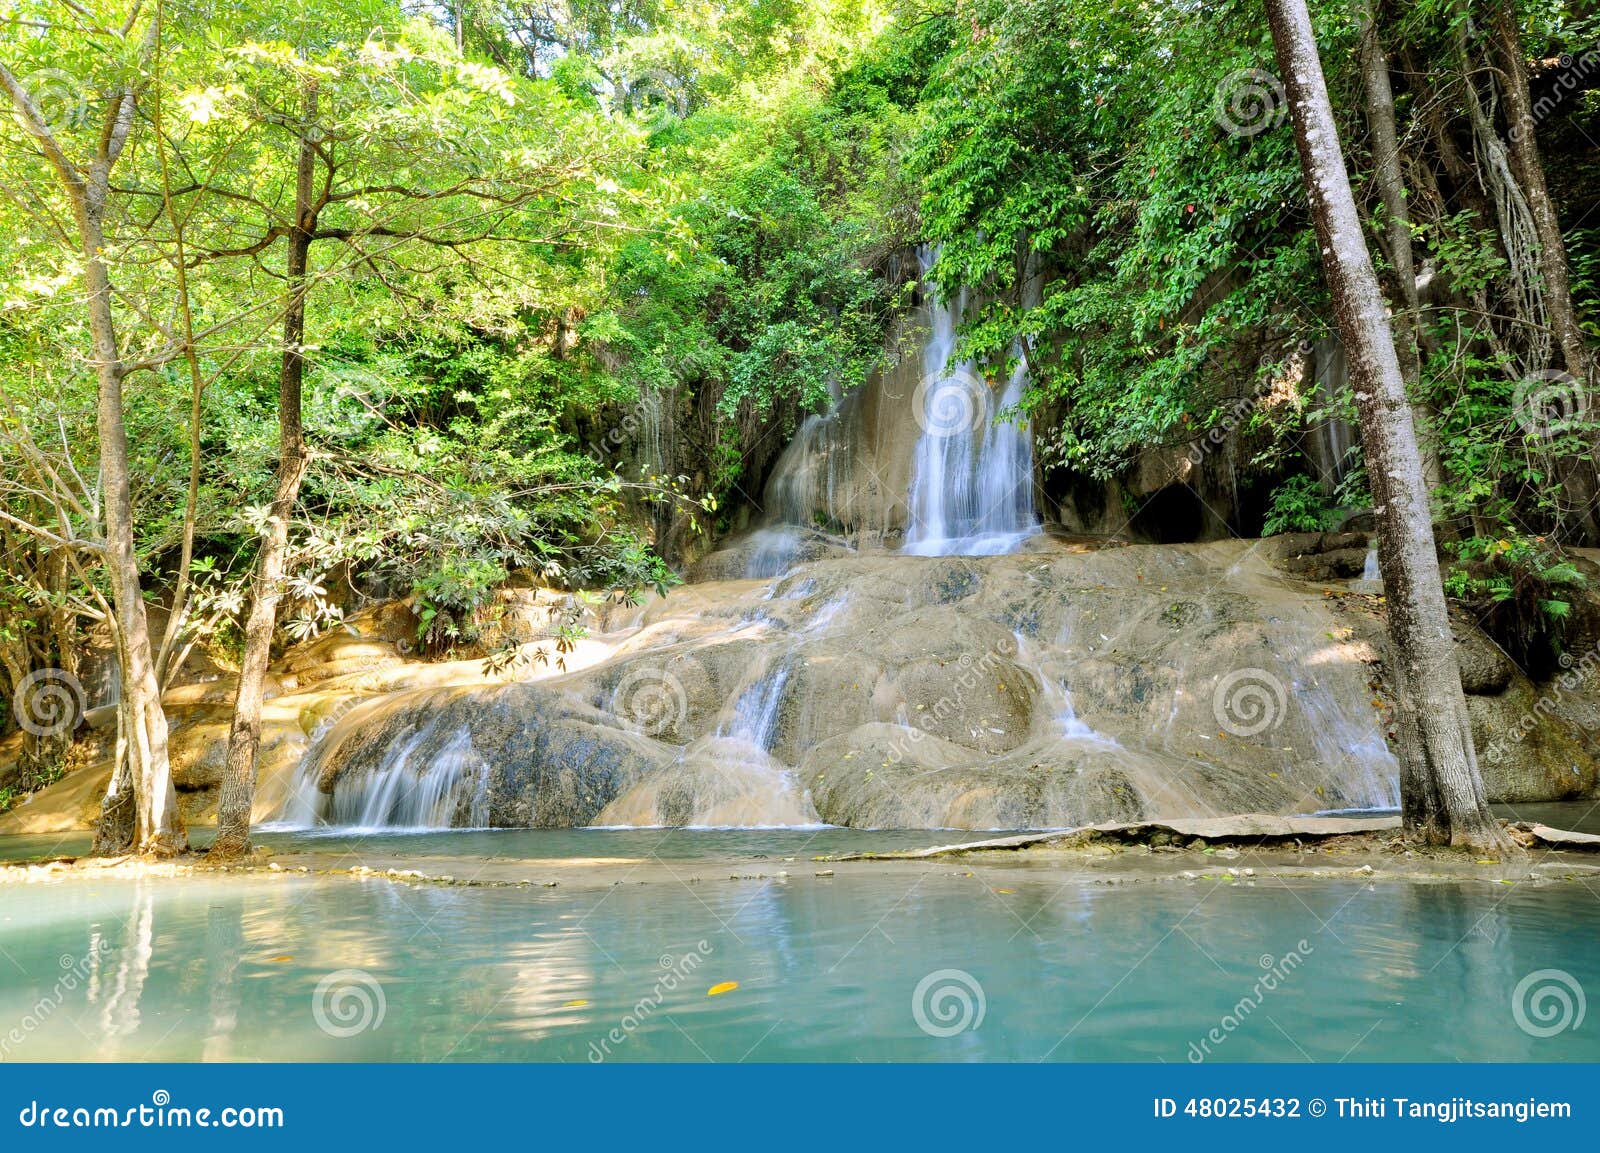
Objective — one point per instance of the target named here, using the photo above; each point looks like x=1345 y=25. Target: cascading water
x=400 y=794
x=1371 y=579
x=1351 y=740
x=1057 y=694
x=755 y=715
x=853 y=691
x=971 y=487
x=444 y=787
x=1333 y=438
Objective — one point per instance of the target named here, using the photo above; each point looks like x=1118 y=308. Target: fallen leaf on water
x=578 y=1004
x=724 y=987
x=280 y=959
x=1005 y=890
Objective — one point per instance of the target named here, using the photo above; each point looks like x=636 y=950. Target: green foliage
x=762 y=289
x=448 y=597
x=1521 y=588
x=1043 y=139
x=1495 y=569
x=712 y=208
x=1298 y=505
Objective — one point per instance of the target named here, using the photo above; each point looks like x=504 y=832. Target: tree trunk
x=244 y=737
x=1579 y=476
x=157 y=823
x=1397 y=231
x=1442 y=795
x=1529 y=169
x=157 y=826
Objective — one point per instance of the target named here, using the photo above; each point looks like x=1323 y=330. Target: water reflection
x=119 y=1008
x=819 y=968
x=224 y=949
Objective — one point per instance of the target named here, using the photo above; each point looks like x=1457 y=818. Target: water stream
x=755 y=716
x=972 y=472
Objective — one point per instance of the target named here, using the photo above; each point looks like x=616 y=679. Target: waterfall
x=1055 y=693
x=971 y=491
x=813 y=477
x=773 y=551
x=654 y=456
x=1371 y=579
x=1348 y=736
x=929 y=446
x=398 y=794
x=1332 y=440
x=1074 y=728
x=446 y=787
x=755 y=714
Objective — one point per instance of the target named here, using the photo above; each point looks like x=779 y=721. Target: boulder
x=1485 y=668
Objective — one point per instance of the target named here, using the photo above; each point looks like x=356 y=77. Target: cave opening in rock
x=1171 y=515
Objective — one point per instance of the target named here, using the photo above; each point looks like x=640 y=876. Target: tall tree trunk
x=157 y=827
x=244 y=737
x=1408 y=323
x=1529 y=168
x=1580 y=476
x=1442 y=795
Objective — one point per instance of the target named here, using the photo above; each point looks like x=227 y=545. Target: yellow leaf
x=280 y=959
x=724 y=987
x=579 y=1003
x=1005 y=890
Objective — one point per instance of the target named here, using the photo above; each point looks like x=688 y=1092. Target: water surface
x=283 y=967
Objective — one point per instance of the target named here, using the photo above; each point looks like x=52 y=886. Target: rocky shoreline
x=1236 y=851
